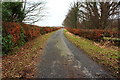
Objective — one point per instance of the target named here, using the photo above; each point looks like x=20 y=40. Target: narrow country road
x=62 y=59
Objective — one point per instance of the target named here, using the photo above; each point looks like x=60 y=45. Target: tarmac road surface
x=62 y=59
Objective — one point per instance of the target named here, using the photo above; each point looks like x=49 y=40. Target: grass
x=24 y=61
x=107 y=57
x=108 y=38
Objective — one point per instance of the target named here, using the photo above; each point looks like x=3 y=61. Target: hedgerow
x=17 y=34
x=96 y=34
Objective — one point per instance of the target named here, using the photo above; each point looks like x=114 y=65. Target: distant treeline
x=93 y=15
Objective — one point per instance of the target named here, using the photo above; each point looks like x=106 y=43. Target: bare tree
x=91 y=15
x=98 y=14
x=33 y=11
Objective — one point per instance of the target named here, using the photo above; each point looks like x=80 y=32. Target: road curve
x=62 y=59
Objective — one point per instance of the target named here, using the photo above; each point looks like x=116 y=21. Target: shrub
x=7 y=44
x=95 y=34
x=16 y=34
x=22 y=39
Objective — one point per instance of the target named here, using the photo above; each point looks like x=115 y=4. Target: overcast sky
x=56 y=11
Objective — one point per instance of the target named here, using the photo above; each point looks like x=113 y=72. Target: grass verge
x=23 y=62
x=107 y=57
